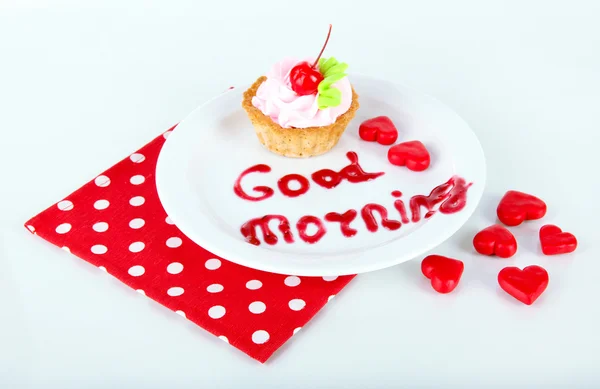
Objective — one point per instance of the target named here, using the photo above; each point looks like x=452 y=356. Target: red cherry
x=304 y=77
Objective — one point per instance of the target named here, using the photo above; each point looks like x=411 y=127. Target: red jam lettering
x=344 y=219
x=457 y=198
x=265 y=190
x=354 y=173
x=284 y=185
x=449 y=197
x=371 y=223
x=302 y=225
x=399 y=205
x=328 y=178
x=248 y=230
x=452 y=195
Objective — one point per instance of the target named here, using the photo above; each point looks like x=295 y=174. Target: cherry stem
x=323 y=49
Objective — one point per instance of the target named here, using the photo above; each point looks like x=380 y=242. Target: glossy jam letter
x=265 y=190
x=302 y=225
x=399 y=205
x=354 y=173
x=248 y=230
x=284 y=185
x=344 y=219
x=328 y=178
x=452 y=195
x=371 y=223
x=457 y=198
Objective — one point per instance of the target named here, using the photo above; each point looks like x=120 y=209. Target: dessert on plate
x=301 y=108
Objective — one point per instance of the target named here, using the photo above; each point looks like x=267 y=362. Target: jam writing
x=447 y=198
x=326 y=178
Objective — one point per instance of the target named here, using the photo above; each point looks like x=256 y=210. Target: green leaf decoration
x=328 y=81
x=326 y=64
x=339 y=68
x=332 y=71
x=332 y=97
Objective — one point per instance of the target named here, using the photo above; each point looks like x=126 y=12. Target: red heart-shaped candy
x=555 y=241
x=443 y=272
x=515 y=207
x=411 y=154
x=380 y=129
x=525 y=285
x=495 y=240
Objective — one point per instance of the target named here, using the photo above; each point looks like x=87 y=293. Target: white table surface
x=82 y=84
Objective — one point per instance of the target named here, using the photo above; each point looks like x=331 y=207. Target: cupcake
x=301 y=108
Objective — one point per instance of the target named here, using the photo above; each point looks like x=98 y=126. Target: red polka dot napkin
x=116 y=222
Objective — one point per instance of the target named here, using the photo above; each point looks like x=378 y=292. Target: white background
x=84 y=83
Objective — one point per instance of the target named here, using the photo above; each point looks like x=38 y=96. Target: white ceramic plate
x=204 y=156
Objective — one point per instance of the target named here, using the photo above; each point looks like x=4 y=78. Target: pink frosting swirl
x=276 y=99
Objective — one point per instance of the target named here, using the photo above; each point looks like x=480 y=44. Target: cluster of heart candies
x=525 y=285
x=382 y=130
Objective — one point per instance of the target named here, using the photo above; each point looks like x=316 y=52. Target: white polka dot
x=141 y=291
x=169 y=221
x=175 y=291
x=173 y=242
x=137 y=201
x=102 y=181
x=65 y=205
x=224 y=338
x=136 y=271
x=253 y=284
x=166 y=134
x=63 y=228
x=100 y=227
x=257 y=307
x=296 y=304
x=175 y=268
x=296 y=330
x=260 y=337
x=212 y=264
x=180 y=313
x=214 y=288
x=330 y=278
x=136 y=247
x=216 y=312
x=137 y=158
x=68 y=250
x=101 y=204
x=102 y=268
x=136 y=223
x=292 y=281
x=31 y=228
x=99 y=249
x=330 y=297
x=137 y=179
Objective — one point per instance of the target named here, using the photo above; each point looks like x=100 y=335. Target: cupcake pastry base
x=295 y=142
